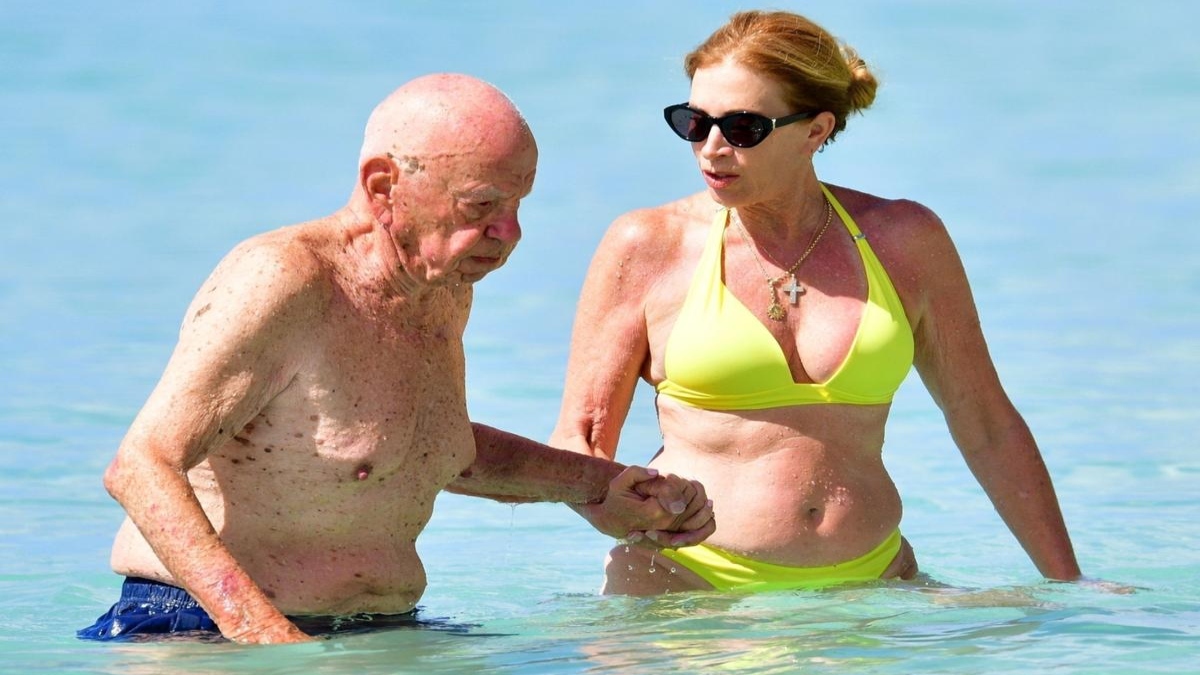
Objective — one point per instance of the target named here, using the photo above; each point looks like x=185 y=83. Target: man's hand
x=646 y=508
x=695 y=520
x=279 y=632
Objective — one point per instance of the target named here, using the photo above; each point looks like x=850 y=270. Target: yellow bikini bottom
x=729 y=572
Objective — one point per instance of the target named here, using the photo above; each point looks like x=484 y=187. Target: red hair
x=816 y=71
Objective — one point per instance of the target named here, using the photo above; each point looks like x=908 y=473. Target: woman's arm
x=953 y=361
x=609 y=352
x=609 y=345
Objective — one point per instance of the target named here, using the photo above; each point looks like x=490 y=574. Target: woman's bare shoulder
x=658 y=233
x=889 y=217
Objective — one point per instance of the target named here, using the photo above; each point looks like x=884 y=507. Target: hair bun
x=861 y=90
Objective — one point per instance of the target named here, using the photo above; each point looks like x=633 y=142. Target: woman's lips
x=718 y=181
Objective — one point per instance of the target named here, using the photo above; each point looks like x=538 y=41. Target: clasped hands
x=650 y=509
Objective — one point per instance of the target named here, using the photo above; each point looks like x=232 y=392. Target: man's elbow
x=117 y=479
x=126 y=474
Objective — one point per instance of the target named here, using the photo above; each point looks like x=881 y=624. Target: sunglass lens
x=689 y=124
x=743 y=130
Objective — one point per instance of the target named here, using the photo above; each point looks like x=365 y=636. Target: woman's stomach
x=781 y=493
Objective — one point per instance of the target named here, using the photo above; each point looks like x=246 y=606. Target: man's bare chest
x=366 y=408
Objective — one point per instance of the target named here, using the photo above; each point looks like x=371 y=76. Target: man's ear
x=377 y=176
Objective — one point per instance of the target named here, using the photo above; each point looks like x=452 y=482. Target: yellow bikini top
x=719 y=356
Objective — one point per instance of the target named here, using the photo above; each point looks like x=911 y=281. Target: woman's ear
x=819 y=130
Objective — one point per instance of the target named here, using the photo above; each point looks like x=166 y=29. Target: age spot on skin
x=408 y=164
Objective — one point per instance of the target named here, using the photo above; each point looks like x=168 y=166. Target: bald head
x=446 y=160
x=440 y=114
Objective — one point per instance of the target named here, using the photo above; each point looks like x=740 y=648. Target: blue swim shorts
x=150 y=609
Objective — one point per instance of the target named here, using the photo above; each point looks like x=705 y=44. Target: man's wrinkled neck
x=377 y=262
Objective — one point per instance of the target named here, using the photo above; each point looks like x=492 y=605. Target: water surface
x=1057 y=140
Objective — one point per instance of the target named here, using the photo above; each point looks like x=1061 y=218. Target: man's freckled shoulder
x=276 y=270
x=287 y=255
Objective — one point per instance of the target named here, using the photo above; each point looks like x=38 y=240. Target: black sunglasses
x=740 y=129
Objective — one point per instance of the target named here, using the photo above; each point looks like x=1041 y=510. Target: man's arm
x=623 y=499
x=157 y=497
x=231 y=360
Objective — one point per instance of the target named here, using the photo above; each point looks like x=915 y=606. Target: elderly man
x=315 y=404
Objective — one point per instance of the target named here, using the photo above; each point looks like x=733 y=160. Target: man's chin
x=479 y=272
x=466 y=278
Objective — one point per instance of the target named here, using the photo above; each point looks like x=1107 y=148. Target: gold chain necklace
x=776 y=311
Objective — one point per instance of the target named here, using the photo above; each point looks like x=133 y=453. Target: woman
x=776 y=316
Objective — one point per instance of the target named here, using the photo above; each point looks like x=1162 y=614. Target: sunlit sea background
x=1060 y=142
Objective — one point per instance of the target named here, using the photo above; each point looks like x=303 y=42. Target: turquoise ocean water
x=1059 y=141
